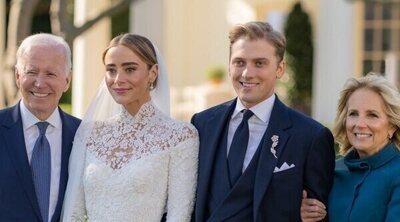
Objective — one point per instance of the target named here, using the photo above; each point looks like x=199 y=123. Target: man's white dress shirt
x=53 y=135
x=258 y=123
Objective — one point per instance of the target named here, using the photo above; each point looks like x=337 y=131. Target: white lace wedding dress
x=138 y=167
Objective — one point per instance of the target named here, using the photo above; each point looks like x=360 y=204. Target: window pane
x=369 y=11
x=368 y=39
x=397 y=44
x=387 y=11
x=386 y=44
x=396 y=11
x=367 y=66
x=381 y=68
x=395 y=40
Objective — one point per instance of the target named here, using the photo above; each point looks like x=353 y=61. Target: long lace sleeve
x=77 y=210
x=182 y=178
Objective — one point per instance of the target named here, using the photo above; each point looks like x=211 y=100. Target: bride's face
x=128 y=78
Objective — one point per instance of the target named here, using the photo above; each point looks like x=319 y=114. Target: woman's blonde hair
x=378 y=84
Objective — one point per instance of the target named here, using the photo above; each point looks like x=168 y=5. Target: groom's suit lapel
x=278 y=123
x=215 y=127
x=15 y=144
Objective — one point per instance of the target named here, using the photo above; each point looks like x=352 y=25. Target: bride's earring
x=151 y=87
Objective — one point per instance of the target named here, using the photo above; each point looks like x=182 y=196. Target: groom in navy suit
x=256 y=154
x=34 y=159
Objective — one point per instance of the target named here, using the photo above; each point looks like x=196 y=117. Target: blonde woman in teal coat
x=367 y=179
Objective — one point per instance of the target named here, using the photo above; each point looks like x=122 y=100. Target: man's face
x=42 y=79
x=254 y=69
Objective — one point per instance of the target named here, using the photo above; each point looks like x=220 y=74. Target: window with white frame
x=381 y=34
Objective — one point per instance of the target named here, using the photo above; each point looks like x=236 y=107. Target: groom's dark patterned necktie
x=41 y=170
x=238 y=148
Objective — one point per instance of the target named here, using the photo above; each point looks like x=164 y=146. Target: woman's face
x=367 y=124
x=128 y=78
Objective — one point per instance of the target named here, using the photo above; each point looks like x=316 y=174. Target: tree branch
x=64 y=27
x=60 y=23
x=114 y=9
x=19 y=27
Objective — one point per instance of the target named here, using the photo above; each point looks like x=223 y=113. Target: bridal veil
x=104 y=107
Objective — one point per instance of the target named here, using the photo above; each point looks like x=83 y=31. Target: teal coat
x=366 y=189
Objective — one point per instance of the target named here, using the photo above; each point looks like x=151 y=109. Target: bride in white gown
x=130 y=161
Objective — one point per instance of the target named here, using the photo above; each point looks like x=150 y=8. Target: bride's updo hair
x=140 y=45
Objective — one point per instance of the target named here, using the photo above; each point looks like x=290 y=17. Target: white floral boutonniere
x=275 y=141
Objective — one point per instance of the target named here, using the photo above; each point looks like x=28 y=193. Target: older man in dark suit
x=256 y=154
x=36 y=135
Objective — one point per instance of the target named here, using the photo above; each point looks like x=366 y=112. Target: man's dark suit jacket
x=277 y=196
x=17 y=193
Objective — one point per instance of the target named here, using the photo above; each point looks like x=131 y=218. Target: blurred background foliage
x=299 y=58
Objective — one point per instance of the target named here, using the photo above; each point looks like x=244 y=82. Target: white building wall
x=334 y=57
x=196 y=35
x=147 y=19
x=88 y=68
x=192 y=36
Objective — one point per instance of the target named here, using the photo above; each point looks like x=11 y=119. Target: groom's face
x=254 y=69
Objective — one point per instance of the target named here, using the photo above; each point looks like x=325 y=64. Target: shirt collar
x=28 y=119
x=262 y=110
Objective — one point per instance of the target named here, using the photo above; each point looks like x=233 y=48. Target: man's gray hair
x=44 y=39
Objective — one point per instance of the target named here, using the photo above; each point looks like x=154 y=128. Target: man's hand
x=311 y=209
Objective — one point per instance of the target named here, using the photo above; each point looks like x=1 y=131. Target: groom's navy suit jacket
x=17 y=193
x=277 y=196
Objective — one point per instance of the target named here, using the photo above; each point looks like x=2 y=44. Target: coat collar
x=385 y=155
x=17 y=151
x=68 y=133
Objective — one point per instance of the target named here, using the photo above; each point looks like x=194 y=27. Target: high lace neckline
x=125 y=137
x=146 y=111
